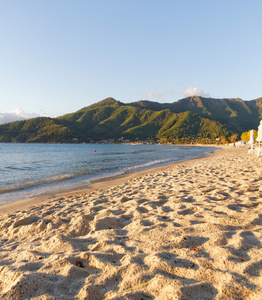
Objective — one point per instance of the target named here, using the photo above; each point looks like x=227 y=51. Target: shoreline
x=102 y=183
x=190 y=230
x=82 y=169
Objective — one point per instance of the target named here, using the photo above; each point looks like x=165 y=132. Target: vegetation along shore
x=190 y=120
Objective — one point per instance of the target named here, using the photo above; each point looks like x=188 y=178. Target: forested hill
x=186 y=119
x=238 y=114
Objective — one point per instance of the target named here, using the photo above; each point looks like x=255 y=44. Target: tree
x=245 y=136
x=223 y=140
x=233 y=138
x=163 y=140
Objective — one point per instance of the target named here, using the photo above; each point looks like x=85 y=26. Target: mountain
x=111 y=119
x=36 y=130
x=189 y=118
x=238 y=114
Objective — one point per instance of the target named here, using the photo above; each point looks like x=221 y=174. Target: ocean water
x=29 y=170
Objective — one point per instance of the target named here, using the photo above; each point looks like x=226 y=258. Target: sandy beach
x=191 y=230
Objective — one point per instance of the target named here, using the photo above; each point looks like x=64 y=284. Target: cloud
x=194 y=91
x=15 y=115
x=158 y=95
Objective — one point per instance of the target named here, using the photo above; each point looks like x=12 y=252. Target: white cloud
x=194 y=91
x=159 y=96
x=15 y=115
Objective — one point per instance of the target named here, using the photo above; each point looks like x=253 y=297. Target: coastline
x=102 y=183
x=190 y=230
x=61 y=168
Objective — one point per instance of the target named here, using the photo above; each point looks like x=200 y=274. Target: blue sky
x=59 y=56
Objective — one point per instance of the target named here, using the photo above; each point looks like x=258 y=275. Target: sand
x=189 y=231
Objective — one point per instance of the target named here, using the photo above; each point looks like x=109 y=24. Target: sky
x=59 y=56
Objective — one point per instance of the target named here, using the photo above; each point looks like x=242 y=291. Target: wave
x=82 y=169
x=84 y=177
x=18 y=168
x=148 y=164
x=36 y=183
x=122 y=171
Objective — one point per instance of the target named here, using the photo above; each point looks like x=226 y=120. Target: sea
x=30 y=170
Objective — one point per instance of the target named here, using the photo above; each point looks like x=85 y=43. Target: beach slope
x=189 y=231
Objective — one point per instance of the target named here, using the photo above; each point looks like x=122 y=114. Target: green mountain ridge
x=188 y=118
x=238 y=114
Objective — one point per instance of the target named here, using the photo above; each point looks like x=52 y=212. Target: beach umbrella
x=259 y=137
x=251 y=140
x=259 y=132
